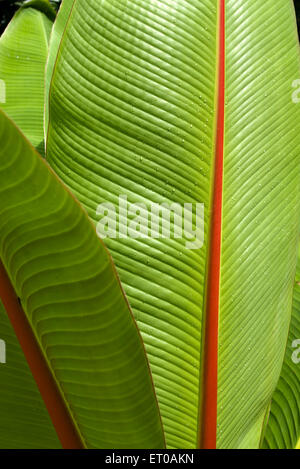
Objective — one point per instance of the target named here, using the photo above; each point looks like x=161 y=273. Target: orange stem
x=59 y=414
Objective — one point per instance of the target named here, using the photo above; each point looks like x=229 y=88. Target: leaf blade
x=260 y=214
x=73 y=302
x=24 y=423
x=283 y=430
x=131 y=113
x=138 y=112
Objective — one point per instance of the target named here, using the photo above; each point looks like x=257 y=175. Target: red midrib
x=50 y=393
x=210 y=372
x=55 y=404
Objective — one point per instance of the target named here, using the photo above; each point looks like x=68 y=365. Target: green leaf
x=58 y=30
x=25 y=422
x=133 y=112
x=23 y=54
x=260 y=214
x=74 y=303
x=283 y=431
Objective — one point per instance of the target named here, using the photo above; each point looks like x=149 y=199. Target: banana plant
x=168 y=338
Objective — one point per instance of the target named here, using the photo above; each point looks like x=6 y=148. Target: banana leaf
x=176 y=102
x=58 y=29
x=23 y=55
x=74 y=323
x=160 y=103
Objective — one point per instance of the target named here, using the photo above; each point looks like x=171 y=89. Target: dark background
x=8 y=7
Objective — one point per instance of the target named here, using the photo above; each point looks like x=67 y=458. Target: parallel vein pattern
x=70 y=292
x=283 y=431
x=132 y=113
x=24 y=422
x=261 y=212
x=23 y=54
